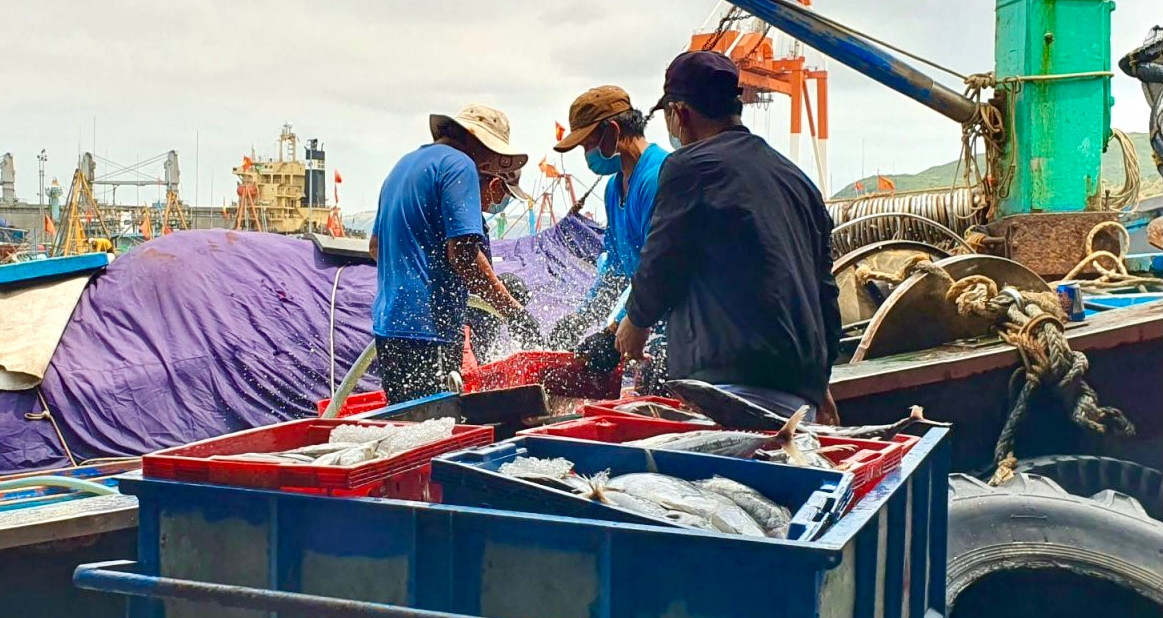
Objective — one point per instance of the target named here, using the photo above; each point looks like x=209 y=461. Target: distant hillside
x=943 y=176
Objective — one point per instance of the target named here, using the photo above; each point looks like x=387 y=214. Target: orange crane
x=745 y=40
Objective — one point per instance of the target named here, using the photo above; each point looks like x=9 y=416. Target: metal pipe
x=118 y=577
x=861 y=55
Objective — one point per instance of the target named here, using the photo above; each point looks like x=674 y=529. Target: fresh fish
x=737 y=520
x=714 y=442
x=319 y=450
x=692 y=521
x=676 y=495
x=256 y=457
x=771 y=517
x=657 y=410
x=730 y=410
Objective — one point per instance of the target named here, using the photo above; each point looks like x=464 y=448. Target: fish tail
x=786 y=437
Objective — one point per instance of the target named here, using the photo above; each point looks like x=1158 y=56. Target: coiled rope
x=1113 y=277
x=1032 y=322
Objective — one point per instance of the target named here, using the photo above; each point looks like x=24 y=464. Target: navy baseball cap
x=705 y=79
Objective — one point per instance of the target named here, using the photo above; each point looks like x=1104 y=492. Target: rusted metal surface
x=970 y=387
x=1104 y=331
x=857 y=301
x=1155 y=233
x=1051 y=244
x=917 y=316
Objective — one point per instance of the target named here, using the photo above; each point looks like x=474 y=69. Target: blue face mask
x=675 y=144
x=602 y=165
x=495 y=208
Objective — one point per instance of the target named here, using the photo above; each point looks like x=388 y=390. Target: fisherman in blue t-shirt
x=604 y=123
x=427 y=246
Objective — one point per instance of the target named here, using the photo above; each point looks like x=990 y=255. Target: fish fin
x=651 y=466
x=917 y=415
x=597 y=484
x=786 y=437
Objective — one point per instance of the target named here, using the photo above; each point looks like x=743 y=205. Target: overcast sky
x=213 y=78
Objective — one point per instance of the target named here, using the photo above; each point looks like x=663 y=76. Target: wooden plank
x=355 y=248
x=1106 y=330
x=66 y=520
x=23 y=272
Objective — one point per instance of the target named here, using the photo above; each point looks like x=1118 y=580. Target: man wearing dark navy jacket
x=738 y=254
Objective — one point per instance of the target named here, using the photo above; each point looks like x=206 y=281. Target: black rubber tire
x=1031 y=523
x=1086 y=475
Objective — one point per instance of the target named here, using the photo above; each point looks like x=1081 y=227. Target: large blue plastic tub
x=205 y=549
x=471 y=478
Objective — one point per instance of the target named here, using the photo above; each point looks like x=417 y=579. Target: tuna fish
x=658 y=410
x=732 y=411
x=713 y=442
x=772 y=518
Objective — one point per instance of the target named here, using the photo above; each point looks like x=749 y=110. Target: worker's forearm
x=471 y=264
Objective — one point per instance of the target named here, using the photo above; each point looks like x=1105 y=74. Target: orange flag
x=50 y=228
x=884 y=183
x=547 y=168
x=859 y=187
x=247 y=163
x=560 y=130
x=146 y=226
x=338 y=178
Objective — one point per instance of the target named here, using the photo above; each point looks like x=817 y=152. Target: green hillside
x=943 y=176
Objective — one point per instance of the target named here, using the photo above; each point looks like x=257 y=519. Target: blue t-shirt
x=431 y=196
x=628 y=218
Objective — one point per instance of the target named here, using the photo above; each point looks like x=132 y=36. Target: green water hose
x=58 y=481
x=350 y=380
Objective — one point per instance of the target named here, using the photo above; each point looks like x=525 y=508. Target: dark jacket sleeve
x=664 y=269
x=829 y=291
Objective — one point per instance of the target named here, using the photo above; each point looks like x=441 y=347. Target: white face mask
x=675 y=142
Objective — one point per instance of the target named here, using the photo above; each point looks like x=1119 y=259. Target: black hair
x=717 y=109
x=452 y=131
x=632 y=122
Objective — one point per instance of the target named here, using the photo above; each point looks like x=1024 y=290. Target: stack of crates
x=502 y=550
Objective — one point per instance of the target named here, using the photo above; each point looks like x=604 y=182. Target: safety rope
x=1113 y=277
x=46 y=415
x=1032 y=322
x=1126 y=198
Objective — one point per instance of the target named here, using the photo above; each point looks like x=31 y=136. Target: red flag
x=338 y=178
x=146 y=225
x=884 y=183
x=247 y=164
x=560 y=130
x=335 y=224
x=50 y=228
x=859 y=187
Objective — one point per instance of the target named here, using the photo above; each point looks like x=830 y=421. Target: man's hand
x=631 y=340
x=828 y=414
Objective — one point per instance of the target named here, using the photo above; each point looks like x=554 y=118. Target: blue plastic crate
x=208 y=550
x=471 y=478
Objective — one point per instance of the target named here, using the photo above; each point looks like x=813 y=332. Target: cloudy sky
x=214 y=78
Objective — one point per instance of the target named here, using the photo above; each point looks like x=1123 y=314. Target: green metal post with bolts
x=1057 y=127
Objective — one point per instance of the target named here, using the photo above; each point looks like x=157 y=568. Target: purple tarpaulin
x=202 y=333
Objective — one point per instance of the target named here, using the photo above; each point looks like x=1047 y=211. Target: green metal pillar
x=1059 y=128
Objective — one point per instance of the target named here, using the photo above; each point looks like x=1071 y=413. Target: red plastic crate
x=562 y=373
x=606 y=408
x=356 y=403
x=869 y=464
x=401 y=476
